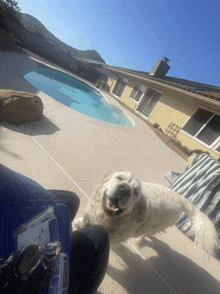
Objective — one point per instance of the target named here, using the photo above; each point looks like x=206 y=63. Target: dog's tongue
x=112 y=205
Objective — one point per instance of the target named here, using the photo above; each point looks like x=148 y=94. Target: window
x=149 y=102
x=137 y=92
x=204 y=126
x=119 y=87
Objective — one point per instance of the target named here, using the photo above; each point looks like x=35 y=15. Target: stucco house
x=186 y=110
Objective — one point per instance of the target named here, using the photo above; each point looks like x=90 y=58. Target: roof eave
x=164 y=83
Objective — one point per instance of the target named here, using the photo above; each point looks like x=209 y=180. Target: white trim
x=214 y=150
x=205 y=124
x=116 y=96
x=202 y=143
x=158 y=91
x=135 y=100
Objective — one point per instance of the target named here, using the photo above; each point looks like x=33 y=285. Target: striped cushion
x=200 y=184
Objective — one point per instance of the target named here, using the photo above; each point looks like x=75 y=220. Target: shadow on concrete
x=41 y=127
x=182 y=274
x=4 y=150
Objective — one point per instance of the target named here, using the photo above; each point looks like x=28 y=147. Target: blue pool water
x=75 y=94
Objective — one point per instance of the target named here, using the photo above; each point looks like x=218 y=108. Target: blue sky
x=134 y=34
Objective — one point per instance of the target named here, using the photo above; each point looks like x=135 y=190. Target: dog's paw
x=142 y=242
x=78 y=223
x=139 y=242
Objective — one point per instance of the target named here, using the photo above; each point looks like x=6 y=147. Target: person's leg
x=68 y=198
x=88 y=259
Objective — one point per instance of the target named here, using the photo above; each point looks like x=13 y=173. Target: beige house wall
x=126 y=93
x=112 y=81
x=176 y=106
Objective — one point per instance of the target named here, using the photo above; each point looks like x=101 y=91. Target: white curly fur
x=148 y=209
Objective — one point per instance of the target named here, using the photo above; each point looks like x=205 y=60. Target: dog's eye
x=120 y=178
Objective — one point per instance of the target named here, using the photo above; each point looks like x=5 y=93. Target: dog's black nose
x=122 y=190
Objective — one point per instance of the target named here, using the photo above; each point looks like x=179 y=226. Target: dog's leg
x=82 y=222
x=78 y=223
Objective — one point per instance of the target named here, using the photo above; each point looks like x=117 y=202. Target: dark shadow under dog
x=169 y=272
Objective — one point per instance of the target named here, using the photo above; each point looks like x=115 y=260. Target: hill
x=35 y=26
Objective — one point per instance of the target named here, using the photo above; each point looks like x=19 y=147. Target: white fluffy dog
x=128 y=208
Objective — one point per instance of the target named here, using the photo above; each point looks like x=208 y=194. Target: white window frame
x=216 y=151
x=115 y=85
x=160 y=92
x=194 y=137
x=137 y=92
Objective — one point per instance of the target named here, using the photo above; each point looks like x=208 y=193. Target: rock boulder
x=17 y=107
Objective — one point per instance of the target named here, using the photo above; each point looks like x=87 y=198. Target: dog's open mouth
x=111 y=206
x=111 y=209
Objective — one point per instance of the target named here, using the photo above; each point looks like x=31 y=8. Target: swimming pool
x=75 y=94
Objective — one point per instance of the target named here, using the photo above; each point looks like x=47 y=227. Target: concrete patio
x=71 y=151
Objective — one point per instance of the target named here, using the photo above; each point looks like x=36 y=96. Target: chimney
x=160 y=68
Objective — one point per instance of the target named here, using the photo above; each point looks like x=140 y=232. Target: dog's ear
x=140 y=210
x=107 y=177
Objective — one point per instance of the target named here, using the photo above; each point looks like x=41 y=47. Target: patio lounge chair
x=200 y=184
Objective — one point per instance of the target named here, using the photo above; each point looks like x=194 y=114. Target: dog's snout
x=123 y=187
x=122 y=190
